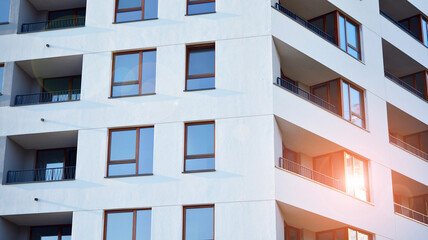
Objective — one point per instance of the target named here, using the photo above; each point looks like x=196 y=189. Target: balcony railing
x=404 y=84
x=420 y=217
x=401 y=144
x=400 y=25
x=304 y=23
x=311 y=174
x=53 y=24
x=285 y=84
x=41 y=175
x=48 y=97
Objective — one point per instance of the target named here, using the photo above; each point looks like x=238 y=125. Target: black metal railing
x=399 y=143
x=48 y=97
x=400 y=209
x=311 y=174
x=399 y=25
x=285 y=84
x=304 y=23
x=404 y=84
x=41 y=175
x=53 y=24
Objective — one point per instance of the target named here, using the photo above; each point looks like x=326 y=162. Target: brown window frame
x=341 y=107
x=196 y=2
x=346 y=232
x=189 y=48
x=140 y=71
x=125 y=161
x=129 y=10
x=193 y=207
x=59 y=229
x=134 y=219
x=199 y=155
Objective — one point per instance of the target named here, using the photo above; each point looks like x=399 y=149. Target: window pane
x=200 y=139
x=359 y=179
x=408 y=80
x=340 y=234
x=349 y=174
x=330 y=25
x=148 y=80
x=44 y=233
x=126 y=90
x=201 y=8
x=128 y=16
x=150 y=9
x=319 y=23
x=50 y=158
x=420 y=85
x=352 y=34
x=342 y=33
x=4 y=10
x=201 y=61
x=363 y=236
x=62 y=14
x=56 y=84
x=356 y=103
x=425 y=31
x=199 y=223
x=321 y=92
x=200 y=164
x=345 y=90
x=145 y=164
x=126 y=67
x=1 y=78
x=200 y=83
x=122 y=145
x=119 y=226
x=76 y=83
x=66 y=233
x=122 y=169
x=414 y=26
x=353 y=53
x=293 y=234
x=143 y=225
x=352 y=234
x=334 y=96
x=128 y=4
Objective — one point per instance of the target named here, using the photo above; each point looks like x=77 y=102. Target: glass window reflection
x=199 y=146
x=199 y=223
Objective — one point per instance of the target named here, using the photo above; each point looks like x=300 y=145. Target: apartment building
x=214 y=119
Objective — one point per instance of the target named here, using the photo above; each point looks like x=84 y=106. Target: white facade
x=254 y=119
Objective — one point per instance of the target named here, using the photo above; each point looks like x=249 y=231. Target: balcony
x=38 y=15
x=405 y=71
x=410 y=198
x=314 y=158
x=406 y=17
x=308 y=79
x=326 y=21
x=44 y=157
x=51 y=80
x=38 y=226
x=300 y=224
x=407 y=133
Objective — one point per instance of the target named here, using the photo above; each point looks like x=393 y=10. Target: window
x=356 y=177
x=200 y=67
x=134 y=10
x=417 y=81
x=198 y=222
x=349 y=37
x=61 y=89
x=343 y=234
x=1 y=77
x=66 y=18
x=200 y=6
x=4 y=11
x=55 y=164
x=345 y=32
x=347 y=99
x=51 y=233
x=291 y=233
x=134 y=73
x=130 y=151
x=418 y=26
x=128 y=224
x=199 y=147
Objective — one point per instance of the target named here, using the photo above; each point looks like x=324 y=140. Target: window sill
x=141 y=20
x=198 y=171
x=138 y=95
x=135 y=175
x=195 y=90
x=195 y=14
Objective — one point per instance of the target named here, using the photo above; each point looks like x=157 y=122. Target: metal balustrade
x=48 y=97
x=311 y=174
x=399 y=143
x=41 y=175
x=53 y=24
x=399 y=25
x=404 y=84
x=415 y=215
x=304 y=23
x=285 y=84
